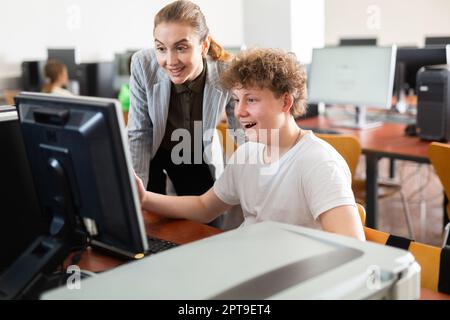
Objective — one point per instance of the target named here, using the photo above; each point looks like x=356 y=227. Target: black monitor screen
x=21 y=218
x=358 y=42
x=440 y=41
x=79 y=144
x=410 y=60
x=68 y=57
x=122 y=63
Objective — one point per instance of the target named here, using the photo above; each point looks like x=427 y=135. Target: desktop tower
x=433 y=103
x=312 y=110
x=33 y=77
x=96 y=79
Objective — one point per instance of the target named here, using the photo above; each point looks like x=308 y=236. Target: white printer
x=268 y=260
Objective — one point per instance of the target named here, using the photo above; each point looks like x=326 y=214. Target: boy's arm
x=204 y=208
x=343 y=220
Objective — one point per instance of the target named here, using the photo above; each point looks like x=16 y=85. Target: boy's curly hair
x=273 y=69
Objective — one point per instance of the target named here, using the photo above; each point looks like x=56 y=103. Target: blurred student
x=56 y=78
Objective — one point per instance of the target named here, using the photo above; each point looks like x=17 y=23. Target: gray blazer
x=149 y=105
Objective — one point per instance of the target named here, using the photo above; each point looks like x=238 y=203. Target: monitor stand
x=359 y=122
x=29 y=274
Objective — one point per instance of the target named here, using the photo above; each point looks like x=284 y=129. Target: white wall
x=404 y=22
x=293 y=25
x=97 y=28
x=307 y=27
x=267 y=23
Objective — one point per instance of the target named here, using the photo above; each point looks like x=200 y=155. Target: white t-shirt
x=309 y=179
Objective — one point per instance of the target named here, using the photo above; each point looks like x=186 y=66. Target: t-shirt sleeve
x=327 y=186
x=225 y=186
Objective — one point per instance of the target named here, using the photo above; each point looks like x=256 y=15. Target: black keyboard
x=156 y=245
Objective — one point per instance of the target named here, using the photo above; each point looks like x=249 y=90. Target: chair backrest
x=228 y=143
x=439 y=154
x=347 y=145
x=362 y=213
x=434 y=261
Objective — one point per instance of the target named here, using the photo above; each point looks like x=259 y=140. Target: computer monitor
x=68 y=57
x=122 y=63
x=410 y=60
x=33 y=77
x=77 y=148
x=440 y=41
x=358 y=42
x=359 y=76
x=21 y=217
x=96 y=79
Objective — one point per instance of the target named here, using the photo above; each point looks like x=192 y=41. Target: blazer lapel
x=214 y=99
x=159 y=110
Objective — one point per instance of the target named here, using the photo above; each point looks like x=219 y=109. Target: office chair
x=347 y=145
x=362 y=213
x=234 y=217
x=439 y=154
x=350 y=149
x=227 y=141
x=434 y=261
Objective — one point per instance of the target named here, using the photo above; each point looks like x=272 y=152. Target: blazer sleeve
x=234 y=124
x=140 y=126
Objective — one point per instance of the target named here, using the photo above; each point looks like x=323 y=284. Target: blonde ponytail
x=216 y=52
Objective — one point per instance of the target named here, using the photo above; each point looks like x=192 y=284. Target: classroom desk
x=178 y=231
x=182 y=231
x=386 y=141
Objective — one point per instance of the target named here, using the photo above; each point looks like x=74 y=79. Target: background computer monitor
x=360 y=76
x=96 y=79
x=81 y=166
x=358 y=42
x=442 y=41
x=122 y=69
x=21 y=217
x=33 y=77
x=410 y=60
x=68 y=57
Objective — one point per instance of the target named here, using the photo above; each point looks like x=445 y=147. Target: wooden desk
x=386 y=141
x=427 y=294
x=178 y=231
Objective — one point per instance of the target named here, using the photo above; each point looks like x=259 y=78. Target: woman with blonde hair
x=57 y=77
x=176 y=86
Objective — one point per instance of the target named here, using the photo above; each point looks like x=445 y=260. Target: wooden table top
x=389 y=138
x=175 y=230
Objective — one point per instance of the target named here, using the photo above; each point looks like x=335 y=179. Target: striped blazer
x=149 y=106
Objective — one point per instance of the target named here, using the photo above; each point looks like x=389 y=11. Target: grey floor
x=424 y=194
